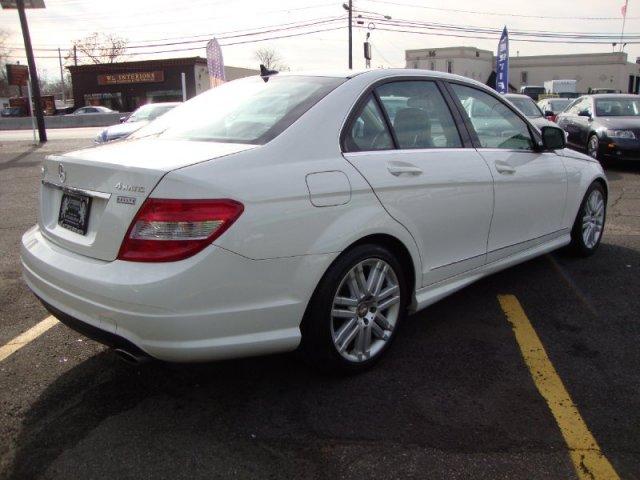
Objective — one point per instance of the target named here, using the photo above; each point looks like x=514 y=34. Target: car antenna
x=265 y=73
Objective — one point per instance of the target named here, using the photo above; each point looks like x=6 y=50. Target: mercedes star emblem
x=62 y=175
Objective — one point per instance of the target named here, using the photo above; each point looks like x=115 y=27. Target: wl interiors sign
x=131 y=77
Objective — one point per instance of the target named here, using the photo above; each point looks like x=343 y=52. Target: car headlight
x=628 y=134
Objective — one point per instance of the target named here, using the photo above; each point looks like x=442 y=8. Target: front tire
x=589 y=224
x=356 y=310
x=593 y=147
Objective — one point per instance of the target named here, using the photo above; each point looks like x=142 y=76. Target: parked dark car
x=605 y=126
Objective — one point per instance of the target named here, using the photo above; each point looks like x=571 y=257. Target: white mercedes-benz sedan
x=302 y=211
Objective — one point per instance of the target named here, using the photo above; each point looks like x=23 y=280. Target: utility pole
x=33 y=75
x=64 y=95
x=75 y=55
x=350 y=35
x=349 y=8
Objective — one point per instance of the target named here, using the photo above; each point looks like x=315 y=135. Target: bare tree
x=270 y=58
x=5 y=89
x=98 y=48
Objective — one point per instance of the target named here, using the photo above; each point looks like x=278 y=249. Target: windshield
x=527 y=106
x=149 y=112
x=618 y=107
x=243 y=111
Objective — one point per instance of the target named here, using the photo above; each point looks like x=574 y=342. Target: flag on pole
x=215 y=63
x=624 y=9
x=502 y=63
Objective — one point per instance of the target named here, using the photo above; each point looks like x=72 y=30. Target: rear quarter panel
x=279 y=219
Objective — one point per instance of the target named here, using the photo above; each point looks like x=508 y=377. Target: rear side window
x=496 y=125
x=419 y=115
x=368 y=131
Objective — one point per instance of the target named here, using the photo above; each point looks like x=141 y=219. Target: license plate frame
x=74 y=214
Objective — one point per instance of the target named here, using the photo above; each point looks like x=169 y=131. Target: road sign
x=27 y=4
x=17 y=75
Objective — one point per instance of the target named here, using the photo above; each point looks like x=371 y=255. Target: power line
x=485 y=37
x=476 y=12
x=531 y=36
x=222 y=36
x=188 y=49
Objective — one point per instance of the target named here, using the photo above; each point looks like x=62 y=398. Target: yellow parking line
x=585 y=453
x=26 y=337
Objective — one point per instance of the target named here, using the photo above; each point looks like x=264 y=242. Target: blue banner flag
x=502 y=63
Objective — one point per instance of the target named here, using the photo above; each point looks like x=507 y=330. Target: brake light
x=167 y=230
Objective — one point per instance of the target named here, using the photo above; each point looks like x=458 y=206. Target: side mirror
x=553 y=138
x=584 y=113
x=549 y=113
x=123 y=119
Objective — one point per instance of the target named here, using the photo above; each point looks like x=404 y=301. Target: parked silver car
x=138 y=119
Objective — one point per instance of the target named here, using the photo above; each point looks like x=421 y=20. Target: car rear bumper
x=214 y=305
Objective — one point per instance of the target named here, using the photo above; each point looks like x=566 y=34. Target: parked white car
x=212 y=233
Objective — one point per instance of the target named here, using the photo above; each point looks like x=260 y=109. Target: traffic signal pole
x=33 y=75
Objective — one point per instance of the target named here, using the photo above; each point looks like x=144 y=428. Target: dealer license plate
x=74 y=212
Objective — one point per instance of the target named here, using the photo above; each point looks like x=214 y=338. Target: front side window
x=419 y=115
x=243 y=111
x=578 y=106
x=494 y=123
x=368 y=131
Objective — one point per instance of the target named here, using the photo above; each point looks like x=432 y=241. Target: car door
x=569 y=121
x=404 y=140
x=583 y=121
x=530 y=185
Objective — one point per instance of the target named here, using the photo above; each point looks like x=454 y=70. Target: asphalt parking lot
x=455 y=397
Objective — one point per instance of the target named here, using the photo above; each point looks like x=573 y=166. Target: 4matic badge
x=129 y=188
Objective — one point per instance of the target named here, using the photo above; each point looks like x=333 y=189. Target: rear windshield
x=243 y=111
x=149 y=112
x=527 y=106
x=559 y=105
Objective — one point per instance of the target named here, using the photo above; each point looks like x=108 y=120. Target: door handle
x=505 y=168
x=398 y=169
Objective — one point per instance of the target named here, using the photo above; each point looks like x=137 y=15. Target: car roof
x=160 y=104
x=383 y=73
x=516 y=95
x=613 y=95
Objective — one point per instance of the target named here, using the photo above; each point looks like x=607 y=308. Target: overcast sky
x=143 y=20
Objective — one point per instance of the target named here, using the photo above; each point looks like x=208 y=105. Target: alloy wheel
x=365 y=310
x=593 y=219
x=593 y=146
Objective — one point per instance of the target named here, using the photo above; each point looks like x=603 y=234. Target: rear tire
x=355 y=311
x=590 y=221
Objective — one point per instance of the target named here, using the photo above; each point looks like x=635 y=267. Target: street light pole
x=33 y=75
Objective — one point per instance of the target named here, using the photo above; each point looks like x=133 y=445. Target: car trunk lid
x=100 y=189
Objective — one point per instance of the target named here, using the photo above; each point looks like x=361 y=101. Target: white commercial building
x=591 y=70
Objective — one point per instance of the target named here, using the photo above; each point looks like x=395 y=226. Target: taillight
x=166 y=230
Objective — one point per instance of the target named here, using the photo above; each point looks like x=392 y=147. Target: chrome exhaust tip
x=131 y=358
